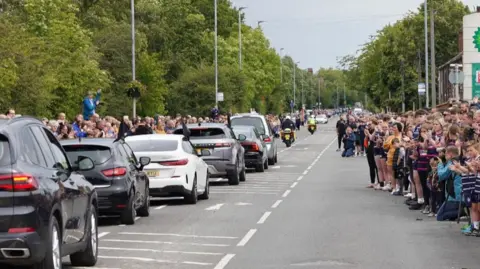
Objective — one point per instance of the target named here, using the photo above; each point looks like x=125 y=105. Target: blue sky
x=316 y=32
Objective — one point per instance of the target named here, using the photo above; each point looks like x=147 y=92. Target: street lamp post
x=216 y=55
x=281 y=65
x=426 y=53
x=240 y=37
x=132 y=10
x=294 y=82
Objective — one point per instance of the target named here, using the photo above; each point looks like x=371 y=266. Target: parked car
x=259 y=122
x=176 y=168
x=322 y=118
x=118 y=177
x=47 y=208
x=226 y=157
x=255 y=148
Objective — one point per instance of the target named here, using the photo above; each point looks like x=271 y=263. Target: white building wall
x=471 y=55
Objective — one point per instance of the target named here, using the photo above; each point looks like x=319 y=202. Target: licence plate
x=153 y=173
x=287 y=137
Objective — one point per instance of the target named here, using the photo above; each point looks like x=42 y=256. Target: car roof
x=253 y=115
x=5 y=123
x=204 y=124
x=170 y=137
x=243 y=127
x=107 y=142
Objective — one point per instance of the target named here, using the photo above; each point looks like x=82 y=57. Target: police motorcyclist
x=311 y=120
x=288 y=124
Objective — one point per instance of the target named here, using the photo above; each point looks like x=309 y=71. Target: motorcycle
x=312 y=128
x=288 y=137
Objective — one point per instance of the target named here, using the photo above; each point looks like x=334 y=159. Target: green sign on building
x=475 y=80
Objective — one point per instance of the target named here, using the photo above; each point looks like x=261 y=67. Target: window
x=30 y=150
x=246 y=132
x=44 y=146
x=130 y=154
x=61 y=161
x=204 y=133
x=153 y=145
x=99 y=154
x=250 y=121
x=187 y=147
x=5 y=159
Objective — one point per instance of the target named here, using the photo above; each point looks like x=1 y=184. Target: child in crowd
x=349 y=143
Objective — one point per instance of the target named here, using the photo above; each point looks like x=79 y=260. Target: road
x=311 y=210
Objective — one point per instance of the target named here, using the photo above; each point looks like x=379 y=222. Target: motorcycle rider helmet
x=287 y=117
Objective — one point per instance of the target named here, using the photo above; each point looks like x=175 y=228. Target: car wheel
x=192 y=198
x=260 y=168
x=271 y=161
x=206 y=194
x=265 y=164
x=144 y=211
x=53 y=253
x=89 y=256
x=129 y=215
x=276 y=158
x=243 y=175
x=234 y=178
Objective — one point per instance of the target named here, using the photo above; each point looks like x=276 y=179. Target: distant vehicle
x=226 y=157
x=322 y=119
x=357 y=110
x=118 y=177
x=176 y=168
x=259 y=122
x=47 y=208
x=256 y=155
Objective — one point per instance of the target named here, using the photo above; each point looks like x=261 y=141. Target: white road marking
x=275 y=205
x=299 y=178
x=121 y=225
x=160 y=207
x=247 y=237
x=214 y=207
x=264 y=217
x=137 y=218
x=163 y=251
x=152 y=260
x=286 y=193
x=219 y=179
x=310 y=167
x=181 y=235
x=305 y=148
x=294 y=184
x=241 y=204
x=270 y=193
x=93 y=267
x=275 y=167
x=100 y=235
x=163 y=242
x=305 y=172
x=197 y=263
x=224 y=261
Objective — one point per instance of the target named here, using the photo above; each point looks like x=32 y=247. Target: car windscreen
x=99 y=154
x=5 y=158
x=204 y=133
x=247 y=132
x=250 y=121
x=153 y=145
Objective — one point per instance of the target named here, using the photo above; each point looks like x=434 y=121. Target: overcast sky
x=316 y=32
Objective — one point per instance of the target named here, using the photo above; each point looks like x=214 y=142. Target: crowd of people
x=429 y=156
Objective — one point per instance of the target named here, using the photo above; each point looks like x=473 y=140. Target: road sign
x=421 y=88
x=456 y=79
x=220 y=96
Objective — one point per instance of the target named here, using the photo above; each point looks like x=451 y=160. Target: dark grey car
x=226 y=153
x=256 y=153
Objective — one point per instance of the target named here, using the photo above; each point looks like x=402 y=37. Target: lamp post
x=294 y=81
x=216 y=55
x=281 y=65
x=132 y=10
x=240 y=37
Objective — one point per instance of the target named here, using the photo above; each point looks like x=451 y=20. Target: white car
x=175 y=168
x=322 y=119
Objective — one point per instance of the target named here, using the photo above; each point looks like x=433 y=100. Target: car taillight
x=115 y=172
x=21 y=230
x=175 y=163
x=268 y=139
x=18 y=182
x=223 y=145
x=252 y=146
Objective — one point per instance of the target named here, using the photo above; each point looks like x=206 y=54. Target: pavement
x=310 y=210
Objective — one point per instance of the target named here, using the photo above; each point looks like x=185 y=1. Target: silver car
x=226 y=157
x=262 y=126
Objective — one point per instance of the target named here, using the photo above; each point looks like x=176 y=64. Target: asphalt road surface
x=311 y=210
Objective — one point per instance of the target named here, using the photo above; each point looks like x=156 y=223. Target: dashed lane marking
x=100 y=235
x=276 y=204
x=224 y=261
x=294 y=184
x=286 y=193
x=246 y=238
x=160 y=207
x=264 y=217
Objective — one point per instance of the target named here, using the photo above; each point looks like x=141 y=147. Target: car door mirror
x=204 y=152
x=144 y=161
x=84 y=163
x=242 y=137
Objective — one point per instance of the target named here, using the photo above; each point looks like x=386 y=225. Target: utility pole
x=419 y=73
x=403 y=86
x=302 y=88
x=338 y=97
x=294 y=83
x=320 y=80
x=216 y=55
x=344 y=96
x=281 y=65
x=132 y=10
x=426 y=53
x=432 y=60
x=240 y=37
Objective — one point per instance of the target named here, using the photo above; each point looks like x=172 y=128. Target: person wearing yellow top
x=397 y=133
x=160 y=127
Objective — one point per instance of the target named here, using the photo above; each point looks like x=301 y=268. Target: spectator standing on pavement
x=10 y=113
x=341 y=130
x=90 y=104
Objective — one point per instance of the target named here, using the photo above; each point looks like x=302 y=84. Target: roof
x=253 y=115
x=175 y=137
x=207 y=124
x=243 y=127
x=107 y=142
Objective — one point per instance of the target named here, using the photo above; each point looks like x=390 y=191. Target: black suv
x=118 y=177
x=47 y=209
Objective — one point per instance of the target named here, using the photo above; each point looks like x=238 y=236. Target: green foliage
x=378 y=69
